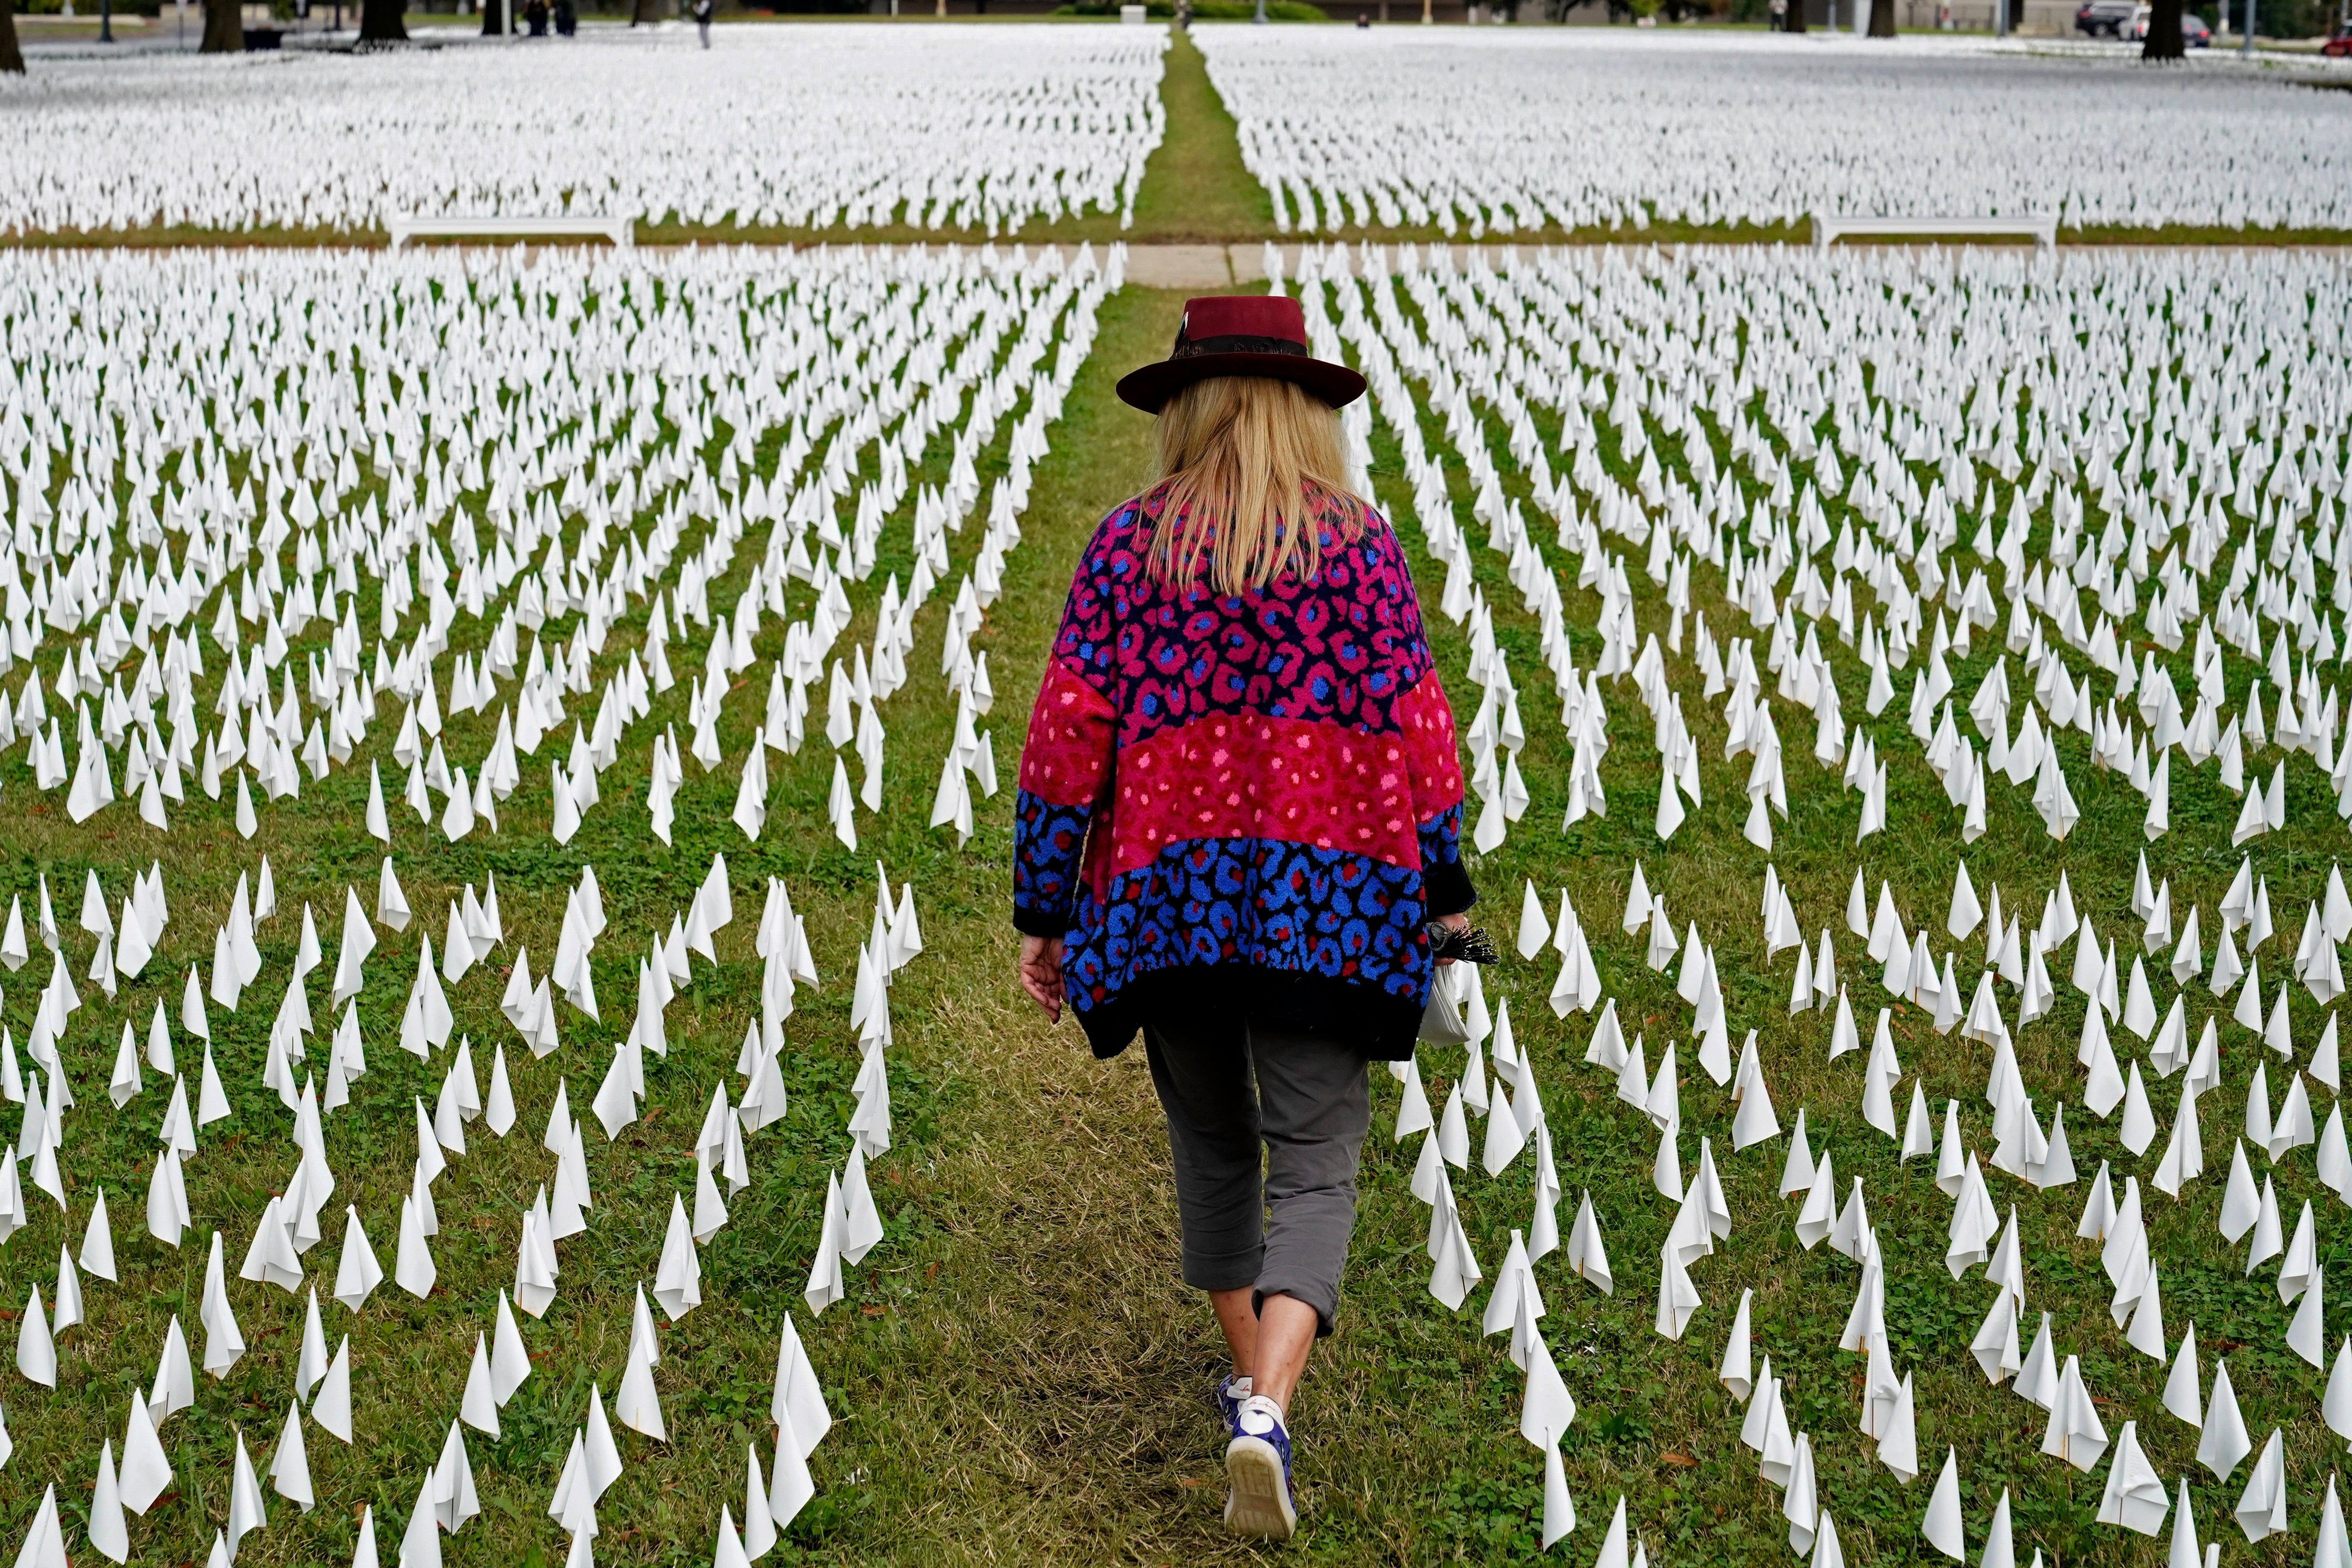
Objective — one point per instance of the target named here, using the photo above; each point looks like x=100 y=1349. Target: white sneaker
x=1257 y=1467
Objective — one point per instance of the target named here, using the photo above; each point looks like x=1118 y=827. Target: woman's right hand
x=1451 y=922
x=1041 y=973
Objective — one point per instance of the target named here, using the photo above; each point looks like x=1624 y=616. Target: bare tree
x=2163 y=41
x=1881 y=18
x=381 y=22
x=493 y=18
x=223 y=27
x=12 y=58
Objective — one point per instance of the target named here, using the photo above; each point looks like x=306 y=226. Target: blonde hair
x=1251 y=469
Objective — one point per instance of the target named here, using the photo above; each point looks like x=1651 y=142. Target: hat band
x=1187 y=349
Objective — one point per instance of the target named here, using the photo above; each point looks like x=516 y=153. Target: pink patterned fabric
x=1266 y=780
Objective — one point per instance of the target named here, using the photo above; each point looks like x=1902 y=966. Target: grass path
x=1046 y=1398
x=1043 y=1394
x=1047 y=1406
x=1194 y=188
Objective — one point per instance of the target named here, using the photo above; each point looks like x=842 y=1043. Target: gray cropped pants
x=1265 y=1128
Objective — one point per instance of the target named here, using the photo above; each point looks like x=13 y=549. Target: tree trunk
x=12 y=58
x=1793 y=19
x=380 y=22
x=2163 y=41
x=223 y=27
x=646 y=12
x=493 y=18
x=1881 y=18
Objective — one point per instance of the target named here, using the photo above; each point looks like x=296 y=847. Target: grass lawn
x=1195 y=191
x=1016 y=1373
x=913 y=1394
x=1429 y=1461
x=1057 y=1290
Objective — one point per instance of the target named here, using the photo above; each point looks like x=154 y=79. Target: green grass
x=1412 y=1425
x=1194 y=188
x=1194 y=191
x=1017 y=1374
x=1070 y=1367
x=409 y=1356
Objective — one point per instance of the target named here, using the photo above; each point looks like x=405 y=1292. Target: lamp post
x=106 y=21
x=2246 y=44
x=1258 y=19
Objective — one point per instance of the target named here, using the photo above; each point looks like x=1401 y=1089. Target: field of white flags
x=1481 y=132
x=807 y=127
x=505 y=1005
x=1901 y=698
x=472 y=729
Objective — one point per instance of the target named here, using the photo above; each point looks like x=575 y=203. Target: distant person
x=1779 y=20
x=1363 y=21
x=535 y=13
x=702 y=9
x=1238 y=832
x=567 y=18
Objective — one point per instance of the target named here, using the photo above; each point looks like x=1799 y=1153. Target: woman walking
x=1238 y=819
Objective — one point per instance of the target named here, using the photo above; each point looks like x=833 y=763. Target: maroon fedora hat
x=1240 y=335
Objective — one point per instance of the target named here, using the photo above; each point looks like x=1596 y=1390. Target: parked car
x=2194 y=33
x=2339 y=44
x=2105 y=18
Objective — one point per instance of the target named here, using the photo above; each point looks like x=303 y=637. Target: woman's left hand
x=1041 y=973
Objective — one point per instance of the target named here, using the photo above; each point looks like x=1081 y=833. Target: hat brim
x=1151 y=386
